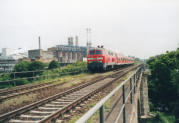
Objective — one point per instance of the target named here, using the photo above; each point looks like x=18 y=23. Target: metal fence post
x=131 y=90
x=47 y=74
x=137 y=78
x=33 y=75
x=134 y=83
x=124 y=110
x=14 y=79
x=101 y=114
x=134 y=78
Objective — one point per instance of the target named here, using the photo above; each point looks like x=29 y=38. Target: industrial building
x=8 y=59
x=70 y=53
x=41 y=55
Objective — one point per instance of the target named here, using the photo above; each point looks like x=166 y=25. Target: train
x=101 y=59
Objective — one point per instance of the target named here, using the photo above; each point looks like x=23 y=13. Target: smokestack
x=76 y=40
x=69 y=40
x=39 y=43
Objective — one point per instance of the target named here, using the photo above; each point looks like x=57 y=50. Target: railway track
x=25 y=89
x=48 y=109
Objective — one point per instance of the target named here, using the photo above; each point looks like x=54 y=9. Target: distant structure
x=9 y=58
x=88 y=35
x=7 y=65
x=39 y=43
x=70 y=53
x=40 y=55
x=76 y=41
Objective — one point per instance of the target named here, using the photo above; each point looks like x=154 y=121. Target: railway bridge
x=129 y=107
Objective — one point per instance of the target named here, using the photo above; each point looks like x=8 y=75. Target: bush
x=164 y=83
x=53 y=64
x=19 y=67
x=73 y=68
x=36 y=65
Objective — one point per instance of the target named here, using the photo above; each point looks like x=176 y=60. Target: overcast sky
x=141 y=28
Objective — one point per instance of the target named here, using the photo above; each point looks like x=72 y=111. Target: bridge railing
x=129 y=84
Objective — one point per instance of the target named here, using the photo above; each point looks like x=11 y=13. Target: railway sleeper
x=48 y=109
x=31 y=117
x=65 y=100
x=41 y=113
x=22 y=121
x=70 y=98
x=60 y=103
x=53 y=105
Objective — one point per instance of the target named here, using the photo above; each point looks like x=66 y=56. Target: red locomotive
x=101 y=59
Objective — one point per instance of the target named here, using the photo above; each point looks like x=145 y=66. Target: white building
x=6 y=52
x=9 y=58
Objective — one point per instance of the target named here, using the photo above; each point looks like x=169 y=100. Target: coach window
x=92 y=52
x=98 y=52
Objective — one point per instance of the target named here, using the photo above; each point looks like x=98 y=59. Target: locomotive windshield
x=95 y=52
x=98 y=52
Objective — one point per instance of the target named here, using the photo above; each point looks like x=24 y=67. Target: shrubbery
x=164 y=82
x=28 y=66
x=75 y=68
x=35 y=66
x=53 y=64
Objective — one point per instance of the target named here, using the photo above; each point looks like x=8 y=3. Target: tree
x=164 y=82
x=20 y=67
x=36 y=65
x=53 y=64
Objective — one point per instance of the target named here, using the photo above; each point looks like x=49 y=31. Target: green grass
x=17 y=101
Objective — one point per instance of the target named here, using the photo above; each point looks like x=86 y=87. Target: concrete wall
x=140 y=106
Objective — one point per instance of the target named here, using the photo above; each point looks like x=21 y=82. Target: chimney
x=39 y=43
x=69 y=40
x=76 y=40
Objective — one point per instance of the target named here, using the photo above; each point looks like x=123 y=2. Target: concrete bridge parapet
x=140 y=107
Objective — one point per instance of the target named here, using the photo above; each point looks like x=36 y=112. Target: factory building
x=70 y=53
x=41 y=55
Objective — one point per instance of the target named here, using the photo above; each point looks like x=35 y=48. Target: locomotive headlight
x=100 y=58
